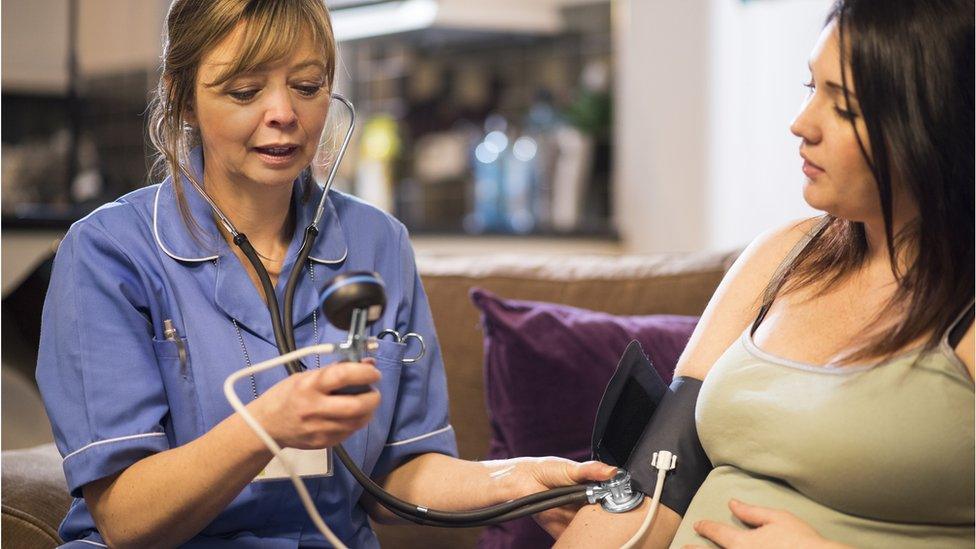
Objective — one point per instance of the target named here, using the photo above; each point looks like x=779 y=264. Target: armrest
x=35 y=497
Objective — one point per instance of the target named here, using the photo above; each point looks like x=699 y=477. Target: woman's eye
x=308 y=90
x=844 y=113
x=243 y=95
x=810 y=86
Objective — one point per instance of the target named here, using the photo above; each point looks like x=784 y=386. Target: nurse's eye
x=243 y=96
x=309 y=90
x=810 y=86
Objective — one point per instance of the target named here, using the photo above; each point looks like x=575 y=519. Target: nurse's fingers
x=334 y=427
x=591 y=471
x=347 y=406
x=342 y=374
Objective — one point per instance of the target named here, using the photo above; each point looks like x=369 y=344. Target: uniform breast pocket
x=389 y=361
x=175 y=368
x=173 y=352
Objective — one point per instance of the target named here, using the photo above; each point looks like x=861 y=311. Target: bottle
x=541 y=124
x=488 y=204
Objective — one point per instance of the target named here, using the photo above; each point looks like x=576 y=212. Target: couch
x=34 y=495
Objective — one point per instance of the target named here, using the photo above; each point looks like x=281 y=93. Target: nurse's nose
x=280 y=111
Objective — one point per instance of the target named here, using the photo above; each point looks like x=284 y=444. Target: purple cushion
x=546 y=367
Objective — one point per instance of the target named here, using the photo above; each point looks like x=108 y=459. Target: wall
x=113 y=36
x=660 y=119
x=119 y=35
x=44 y=69
x=705 y=94
x=758 y=65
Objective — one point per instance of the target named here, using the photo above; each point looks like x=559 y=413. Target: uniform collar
x=175 y=238
x=234 y=293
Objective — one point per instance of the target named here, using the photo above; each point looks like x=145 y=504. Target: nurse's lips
x=277 y=154
x=810 y=169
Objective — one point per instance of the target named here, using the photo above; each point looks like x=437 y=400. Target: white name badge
x=305 y=463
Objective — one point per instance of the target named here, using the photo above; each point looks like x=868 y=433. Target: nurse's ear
x=190 y=117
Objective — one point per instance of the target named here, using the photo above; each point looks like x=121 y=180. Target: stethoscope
x=367 y=292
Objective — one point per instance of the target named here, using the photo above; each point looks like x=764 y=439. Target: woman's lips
x=811 y=170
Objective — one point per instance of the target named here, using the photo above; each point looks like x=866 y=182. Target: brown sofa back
x=624 y=285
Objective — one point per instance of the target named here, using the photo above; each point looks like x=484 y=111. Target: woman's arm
x=165 y=499
x=965 y=350
x=736 y=301
x=594 y=527
x=730 y=311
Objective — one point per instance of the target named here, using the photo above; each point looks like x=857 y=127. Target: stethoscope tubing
x=284 y=333
x=537 y=502
x=289 y=326
x=270 y=299
x=570 y=499
x=502 y=512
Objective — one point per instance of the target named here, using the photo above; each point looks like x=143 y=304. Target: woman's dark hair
x=912 y=66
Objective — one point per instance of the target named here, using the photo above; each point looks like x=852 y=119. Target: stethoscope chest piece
x=350 y=292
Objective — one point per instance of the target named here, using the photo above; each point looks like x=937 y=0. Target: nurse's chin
x=274 y=179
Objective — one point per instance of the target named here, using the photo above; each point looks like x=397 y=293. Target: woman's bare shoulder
x=736 y=302
x=965 y=350
x=770 y=248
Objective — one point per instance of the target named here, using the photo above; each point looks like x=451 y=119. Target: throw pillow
x=546 y=367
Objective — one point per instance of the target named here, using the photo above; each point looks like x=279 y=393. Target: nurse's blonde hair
x=272 y=29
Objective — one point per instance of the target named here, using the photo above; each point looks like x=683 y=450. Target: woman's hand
x=770 y=528
x=532 y=475
x=300 y=411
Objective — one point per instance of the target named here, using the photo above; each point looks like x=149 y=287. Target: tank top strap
x=785 y=265
x=960 y=325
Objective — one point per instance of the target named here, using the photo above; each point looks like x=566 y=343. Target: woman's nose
x=280 y=110
x=804 y=125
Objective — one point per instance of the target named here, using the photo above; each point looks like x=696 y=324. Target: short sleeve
x=96 y=369
x=420 y=422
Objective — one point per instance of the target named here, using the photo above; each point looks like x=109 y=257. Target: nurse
x=151 y=307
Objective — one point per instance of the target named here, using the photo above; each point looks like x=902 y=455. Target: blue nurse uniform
x=116 y=389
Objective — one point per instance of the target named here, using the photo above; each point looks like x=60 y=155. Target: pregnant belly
x=725 y=482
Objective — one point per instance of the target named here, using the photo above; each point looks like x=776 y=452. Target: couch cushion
x=22 y=416
x=35 y=497
x=546 y=368
x=626 y=285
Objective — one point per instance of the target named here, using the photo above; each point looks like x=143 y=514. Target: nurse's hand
x=770 y=528
x=300 y=411
x=538 y=474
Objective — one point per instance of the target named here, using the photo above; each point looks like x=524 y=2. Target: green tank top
x=871 y=456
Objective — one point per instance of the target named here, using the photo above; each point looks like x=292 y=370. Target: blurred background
x=576 y=126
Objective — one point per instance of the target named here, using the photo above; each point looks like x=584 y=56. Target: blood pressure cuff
x=640 y=415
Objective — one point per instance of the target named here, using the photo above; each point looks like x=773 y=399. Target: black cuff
x=672 y=428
